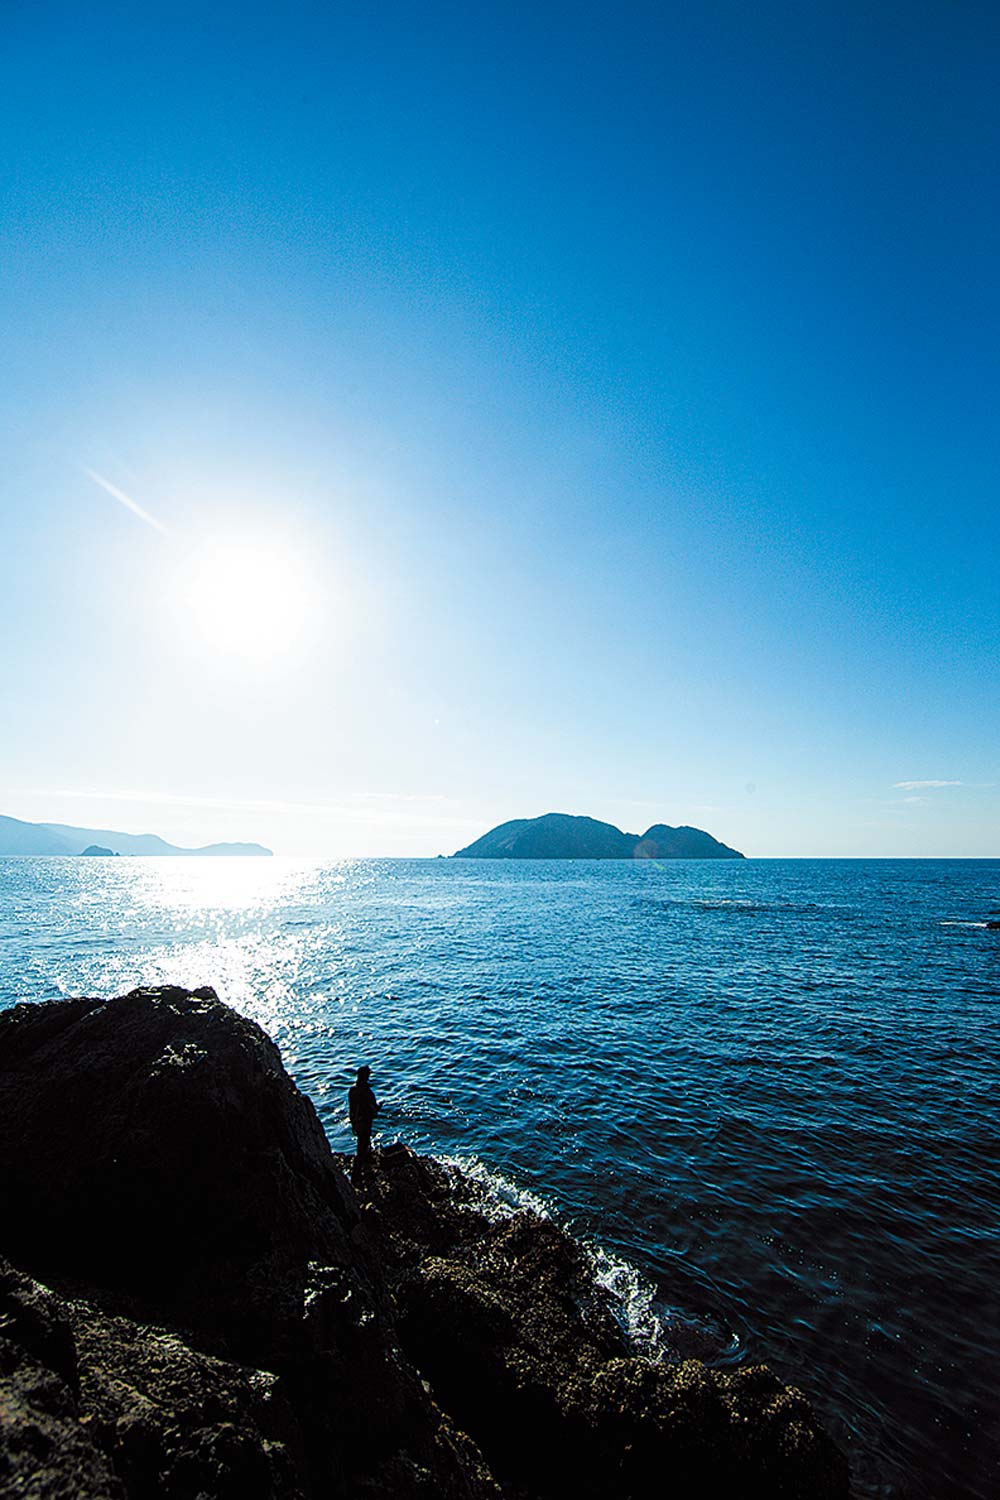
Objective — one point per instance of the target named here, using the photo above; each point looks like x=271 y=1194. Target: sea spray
x=655 y=1330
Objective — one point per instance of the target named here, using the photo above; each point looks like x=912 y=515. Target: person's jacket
x=362 y=1104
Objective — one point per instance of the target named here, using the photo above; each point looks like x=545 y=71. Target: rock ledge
x=198 y=1304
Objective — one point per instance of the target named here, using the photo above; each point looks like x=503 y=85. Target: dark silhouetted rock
x=95 y=849
x=156 y=1159
x=132 y=1410
x=45 y=1451
x=224 y=1318
x=155 y=1143
x=563 y=836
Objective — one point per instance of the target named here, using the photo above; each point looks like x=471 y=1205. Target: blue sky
x=520 y=409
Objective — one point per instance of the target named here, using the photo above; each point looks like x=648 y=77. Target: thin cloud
x=126 y=500
x=358 y=807
x=923 y=786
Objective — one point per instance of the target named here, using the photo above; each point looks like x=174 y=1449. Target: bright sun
x=247 y=599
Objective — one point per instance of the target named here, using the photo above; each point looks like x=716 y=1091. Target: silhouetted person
x=363 y=1107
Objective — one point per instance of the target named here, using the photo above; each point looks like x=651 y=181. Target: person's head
x=364 y=1074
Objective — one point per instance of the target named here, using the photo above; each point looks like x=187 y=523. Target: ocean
x=763 y=1091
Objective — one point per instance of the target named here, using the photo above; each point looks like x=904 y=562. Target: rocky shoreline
x=198 y=1303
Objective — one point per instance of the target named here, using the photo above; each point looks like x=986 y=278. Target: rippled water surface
x=771 y=1086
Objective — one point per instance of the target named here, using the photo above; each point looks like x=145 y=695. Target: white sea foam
x=633 y=1299
x=632 y=1296
x=501 y=1198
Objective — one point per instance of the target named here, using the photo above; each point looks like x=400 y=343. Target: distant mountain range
x=60 y=838
x=562 y=836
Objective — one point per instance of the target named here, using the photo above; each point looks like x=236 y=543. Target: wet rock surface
x=503 y=1316
x=199 y=1304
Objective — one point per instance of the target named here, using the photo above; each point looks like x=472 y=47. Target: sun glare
x=251 y=600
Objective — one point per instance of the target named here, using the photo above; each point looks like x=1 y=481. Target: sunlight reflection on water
x=202 y=921
x=234 y=884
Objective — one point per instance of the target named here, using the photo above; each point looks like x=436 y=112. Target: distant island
x=563 y=836
x=60 y=838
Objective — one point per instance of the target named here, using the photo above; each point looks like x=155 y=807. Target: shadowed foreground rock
x=203 y=1307
x=503 y=1317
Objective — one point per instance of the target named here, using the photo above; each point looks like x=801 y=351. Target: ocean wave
x=501 y=1198
x=655 y=1330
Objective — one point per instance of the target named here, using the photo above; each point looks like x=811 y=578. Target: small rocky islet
x=569 y=836
x=197 y=1304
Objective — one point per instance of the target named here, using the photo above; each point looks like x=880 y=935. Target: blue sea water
x=770 y=1087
